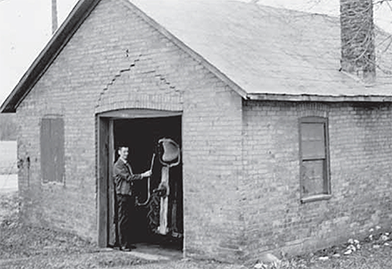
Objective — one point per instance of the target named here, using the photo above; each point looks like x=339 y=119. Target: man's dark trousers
x=126 y=210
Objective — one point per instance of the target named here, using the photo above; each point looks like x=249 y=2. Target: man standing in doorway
x=124 y=179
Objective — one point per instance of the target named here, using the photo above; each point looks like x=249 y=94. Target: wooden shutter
x=52 y=150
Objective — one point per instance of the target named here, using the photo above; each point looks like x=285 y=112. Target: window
x=314 y=159
x=52 y=150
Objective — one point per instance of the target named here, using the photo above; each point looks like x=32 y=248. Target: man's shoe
x=125 y=249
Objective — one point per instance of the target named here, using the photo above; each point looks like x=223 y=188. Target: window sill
x=314 y=198
x=52 y=184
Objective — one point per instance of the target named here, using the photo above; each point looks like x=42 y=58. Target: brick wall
x=114 y=61
x=360 y=156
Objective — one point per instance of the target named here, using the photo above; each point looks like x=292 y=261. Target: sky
x=25 y=28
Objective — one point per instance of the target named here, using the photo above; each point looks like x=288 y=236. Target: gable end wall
x=117 y=61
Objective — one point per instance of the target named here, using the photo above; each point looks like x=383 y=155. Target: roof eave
x=317 y=98
x=61 y=37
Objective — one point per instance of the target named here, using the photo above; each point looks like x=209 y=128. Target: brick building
x=283 y=147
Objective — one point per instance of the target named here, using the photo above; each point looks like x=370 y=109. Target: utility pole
x=54 y=16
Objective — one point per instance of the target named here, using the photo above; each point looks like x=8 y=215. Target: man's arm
x=121 y=172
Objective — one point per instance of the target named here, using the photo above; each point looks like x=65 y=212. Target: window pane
x=312 y=175
x=312 y=141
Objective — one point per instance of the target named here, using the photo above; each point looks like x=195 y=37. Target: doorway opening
x=142 y=135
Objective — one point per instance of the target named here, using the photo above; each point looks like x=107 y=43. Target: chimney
x=54 y=16
x=357 y=36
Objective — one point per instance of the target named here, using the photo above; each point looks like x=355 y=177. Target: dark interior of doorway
x=141 y=135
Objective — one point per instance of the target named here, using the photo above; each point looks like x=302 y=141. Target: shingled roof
x=267 y=52
x=264 y=53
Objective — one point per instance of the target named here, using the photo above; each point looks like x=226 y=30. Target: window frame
x=326 y=170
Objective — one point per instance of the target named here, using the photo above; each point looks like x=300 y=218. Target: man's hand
x=147 y=173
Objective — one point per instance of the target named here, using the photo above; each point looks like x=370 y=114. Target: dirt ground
x=31 y=247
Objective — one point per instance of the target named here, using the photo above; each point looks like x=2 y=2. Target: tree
x=8 y=127
x=385 y=44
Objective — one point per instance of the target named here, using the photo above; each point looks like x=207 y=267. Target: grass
x=372 y=252
x=23 y=246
